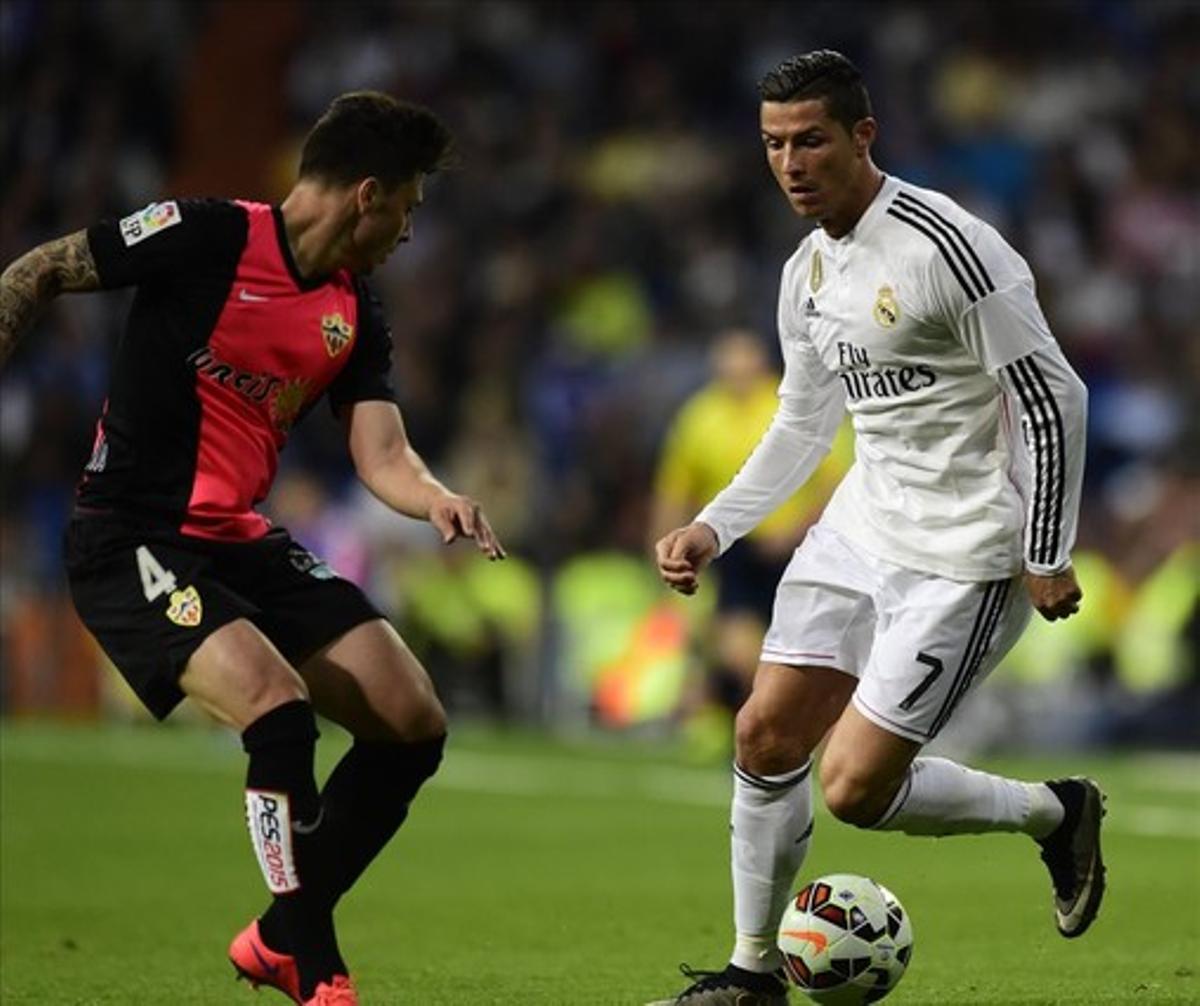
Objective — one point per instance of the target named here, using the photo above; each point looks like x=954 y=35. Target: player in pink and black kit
x=245 y=316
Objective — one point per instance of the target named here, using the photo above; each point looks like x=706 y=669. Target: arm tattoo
x=33 y=280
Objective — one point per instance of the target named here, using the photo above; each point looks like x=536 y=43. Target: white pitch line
x=541 y=776
x=548 y=775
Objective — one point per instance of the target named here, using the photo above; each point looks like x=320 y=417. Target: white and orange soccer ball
x=845 y=939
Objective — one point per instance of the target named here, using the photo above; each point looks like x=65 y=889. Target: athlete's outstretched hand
x=682 y=554
x=1056 y=596
x=458 y=516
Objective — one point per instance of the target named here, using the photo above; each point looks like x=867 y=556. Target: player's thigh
x=151 y=597
x=369 y=681
x=819 y=639
x=237 y=675
x=788 y=713
x=301 y=604
x=862 y=767
x=939 y=638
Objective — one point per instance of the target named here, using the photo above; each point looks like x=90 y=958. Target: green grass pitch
x=536 y=871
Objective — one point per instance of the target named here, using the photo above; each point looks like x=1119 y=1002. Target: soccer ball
x=845 y=939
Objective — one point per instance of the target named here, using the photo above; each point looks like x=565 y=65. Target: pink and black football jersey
x=225 y=348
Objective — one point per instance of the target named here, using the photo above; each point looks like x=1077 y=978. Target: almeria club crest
x=337 y=333
x=186 y=608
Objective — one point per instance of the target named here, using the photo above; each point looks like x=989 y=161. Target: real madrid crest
x=336 y=332
x=816 y=272
x=887 y=308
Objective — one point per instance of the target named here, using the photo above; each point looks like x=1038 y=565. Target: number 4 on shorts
x=156 y=581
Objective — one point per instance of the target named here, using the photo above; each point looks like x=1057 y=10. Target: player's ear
x=863 y=135
x=366 y=194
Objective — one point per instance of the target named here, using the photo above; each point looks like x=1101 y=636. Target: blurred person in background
x=707 y=441
x=957 y=519
x=245 y=316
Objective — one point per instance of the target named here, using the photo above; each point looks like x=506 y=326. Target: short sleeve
x=166 y=239
x=984 y=292
x=367 y=375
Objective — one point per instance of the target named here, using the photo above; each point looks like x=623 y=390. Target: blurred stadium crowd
x=611 y=213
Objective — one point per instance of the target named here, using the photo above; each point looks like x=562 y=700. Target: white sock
x=770 y=830
x=941 y=797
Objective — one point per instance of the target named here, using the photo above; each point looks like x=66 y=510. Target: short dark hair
x=821 y=74
x=370 y=134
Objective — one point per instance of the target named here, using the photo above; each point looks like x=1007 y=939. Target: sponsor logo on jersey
x=149 y=221
x=887 y=310
x=816 y=271
x=255 y=387
x=186 y=609
x=269 y=818
x=288 y=402
x=862 y=380
x=810 y=309
x=336 y=332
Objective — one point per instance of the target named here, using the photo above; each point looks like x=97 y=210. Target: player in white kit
x=955 y=522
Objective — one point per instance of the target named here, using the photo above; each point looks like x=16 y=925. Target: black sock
x=365 y=801
x=285 y=817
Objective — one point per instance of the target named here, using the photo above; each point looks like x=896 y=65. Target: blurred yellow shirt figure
x=716 y=429
x=711 y=436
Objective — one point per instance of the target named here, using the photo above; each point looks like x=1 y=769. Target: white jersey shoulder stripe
x=953 y=234
x=942 y=234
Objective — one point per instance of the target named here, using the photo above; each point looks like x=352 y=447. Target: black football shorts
x=151 y=596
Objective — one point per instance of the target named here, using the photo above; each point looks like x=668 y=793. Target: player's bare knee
x=852 y=797
x=269 y=691
x=428 y=724
x=848 y=801
x=412 y=722
x=763 y=745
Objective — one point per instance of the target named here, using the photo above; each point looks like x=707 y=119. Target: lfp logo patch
x=149 y=221
x=186 y=609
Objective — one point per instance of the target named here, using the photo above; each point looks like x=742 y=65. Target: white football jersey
x=969 y=424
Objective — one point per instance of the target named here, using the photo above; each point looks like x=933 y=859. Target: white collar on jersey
x=875 y=209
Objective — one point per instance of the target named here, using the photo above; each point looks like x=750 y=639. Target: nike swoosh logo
x=818 y=940
x=251 y=298
x=270 y=969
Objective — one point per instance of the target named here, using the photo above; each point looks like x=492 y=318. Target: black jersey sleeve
x=166 y=239
x=368 y=373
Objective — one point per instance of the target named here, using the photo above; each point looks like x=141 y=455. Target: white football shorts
x=916 y=642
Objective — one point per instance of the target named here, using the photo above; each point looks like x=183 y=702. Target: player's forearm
x=402 y=480
x=36 y=278
x=1051 y=402
x=787 y=455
